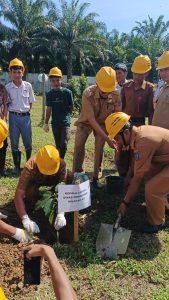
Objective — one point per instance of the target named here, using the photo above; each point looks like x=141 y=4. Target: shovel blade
x=104 y=237
x=109 y=245
x=121 y=240
x=104 y=245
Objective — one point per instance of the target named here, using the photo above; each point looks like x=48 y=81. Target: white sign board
x=74 y=197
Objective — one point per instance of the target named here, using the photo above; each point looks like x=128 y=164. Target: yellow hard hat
x=48 y=160
x=163 y=61
x=16 y=63
x=115 y=122
x=3 y=132
x=55 y=72
x=2 y=295
x=141 y=64
x=106 y=79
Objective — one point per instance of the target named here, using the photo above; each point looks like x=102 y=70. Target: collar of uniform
x=17 y=87
x=133 y=137
x=143 y=87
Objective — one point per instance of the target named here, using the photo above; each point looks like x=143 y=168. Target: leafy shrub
x=77 y=86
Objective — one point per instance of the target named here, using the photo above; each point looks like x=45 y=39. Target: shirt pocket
x=25 y=93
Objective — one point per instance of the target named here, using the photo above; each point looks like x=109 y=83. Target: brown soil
x=11 y=270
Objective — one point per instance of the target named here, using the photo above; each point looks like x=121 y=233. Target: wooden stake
x=76 y=226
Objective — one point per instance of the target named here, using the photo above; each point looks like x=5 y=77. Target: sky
x=123 y=14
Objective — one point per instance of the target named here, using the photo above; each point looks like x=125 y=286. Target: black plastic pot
x=114 y=184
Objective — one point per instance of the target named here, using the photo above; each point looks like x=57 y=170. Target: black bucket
x=114 y=184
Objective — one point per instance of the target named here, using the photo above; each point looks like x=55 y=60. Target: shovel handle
x=116 y=225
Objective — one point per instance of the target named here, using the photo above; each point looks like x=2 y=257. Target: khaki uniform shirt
x=150 y=145
x=31 y=173
x=138 y=103
x=161 y=113
x=96 y=107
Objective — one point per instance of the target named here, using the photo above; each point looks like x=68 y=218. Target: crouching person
x=45 y=168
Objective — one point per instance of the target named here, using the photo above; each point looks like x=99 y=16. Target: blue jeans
x=20 y=125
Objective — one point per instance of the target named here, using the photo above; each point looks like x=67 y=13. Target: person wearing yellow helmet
x=160 y=117
x=98 y=101
x=137 y=101
x=4 y=102
x=59 y=105
x=150 y=150
x=137 y=94
x=22 y=97
x=45 y=168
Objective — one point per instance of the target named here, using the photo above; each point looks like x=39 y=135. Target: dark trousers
x=61 y=136
x=3 y=156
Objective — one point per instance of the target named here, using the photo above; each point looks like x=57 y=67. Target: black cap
x=120 y=66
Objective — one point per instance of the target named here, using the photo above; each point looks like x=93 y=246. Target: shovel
x=112 y=240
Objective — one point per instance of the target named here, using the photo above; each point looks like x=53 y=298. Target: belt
x=20 y=113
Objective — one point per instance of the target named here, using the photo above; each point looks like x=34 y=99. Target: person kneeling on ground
x=150 y=147
x=16 y=233
x=61 y=284
x=46 y=168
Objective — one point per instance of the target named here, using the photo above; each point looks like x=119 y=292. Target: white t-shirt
x=21 y=96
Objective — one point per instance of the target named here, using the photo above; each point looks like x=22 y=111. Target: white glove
x=29 y=225
x=46 y=127
x=22 y=236
x=2 y=216
x=60 y=221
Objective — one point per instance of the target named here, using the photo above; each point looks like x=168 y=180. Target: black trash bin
x=114 y=184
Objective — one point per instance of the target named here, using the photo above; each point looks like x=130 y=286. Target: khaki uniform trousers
x=82 y=133
x=156 y=191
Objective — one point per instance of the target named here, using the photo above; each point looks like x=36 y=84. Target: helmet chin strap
x=125 y=146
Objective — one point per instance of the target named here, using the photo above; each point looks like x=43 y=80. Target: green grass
x=142 y=274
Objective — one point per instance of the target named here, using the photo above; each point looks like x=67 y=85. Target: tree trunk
x=69 y=63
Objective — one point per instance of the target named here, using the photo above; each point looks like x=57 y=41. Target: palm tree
x=154 y=36
x=26 y=19
x=77 y=34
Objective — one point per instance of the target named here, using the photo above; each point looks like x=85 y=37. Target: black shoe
x=96 y=183
x=4 y=174
x=28 y=154
x=17 y=162
x=16 y=171
x=152 y=228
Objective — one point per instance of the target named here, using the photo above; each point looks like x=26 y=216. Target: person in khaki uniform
x=46 y=168
x=150 y=147
x=98 y=102
x=137 y=94
x=137 y=101
x=161 y=112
